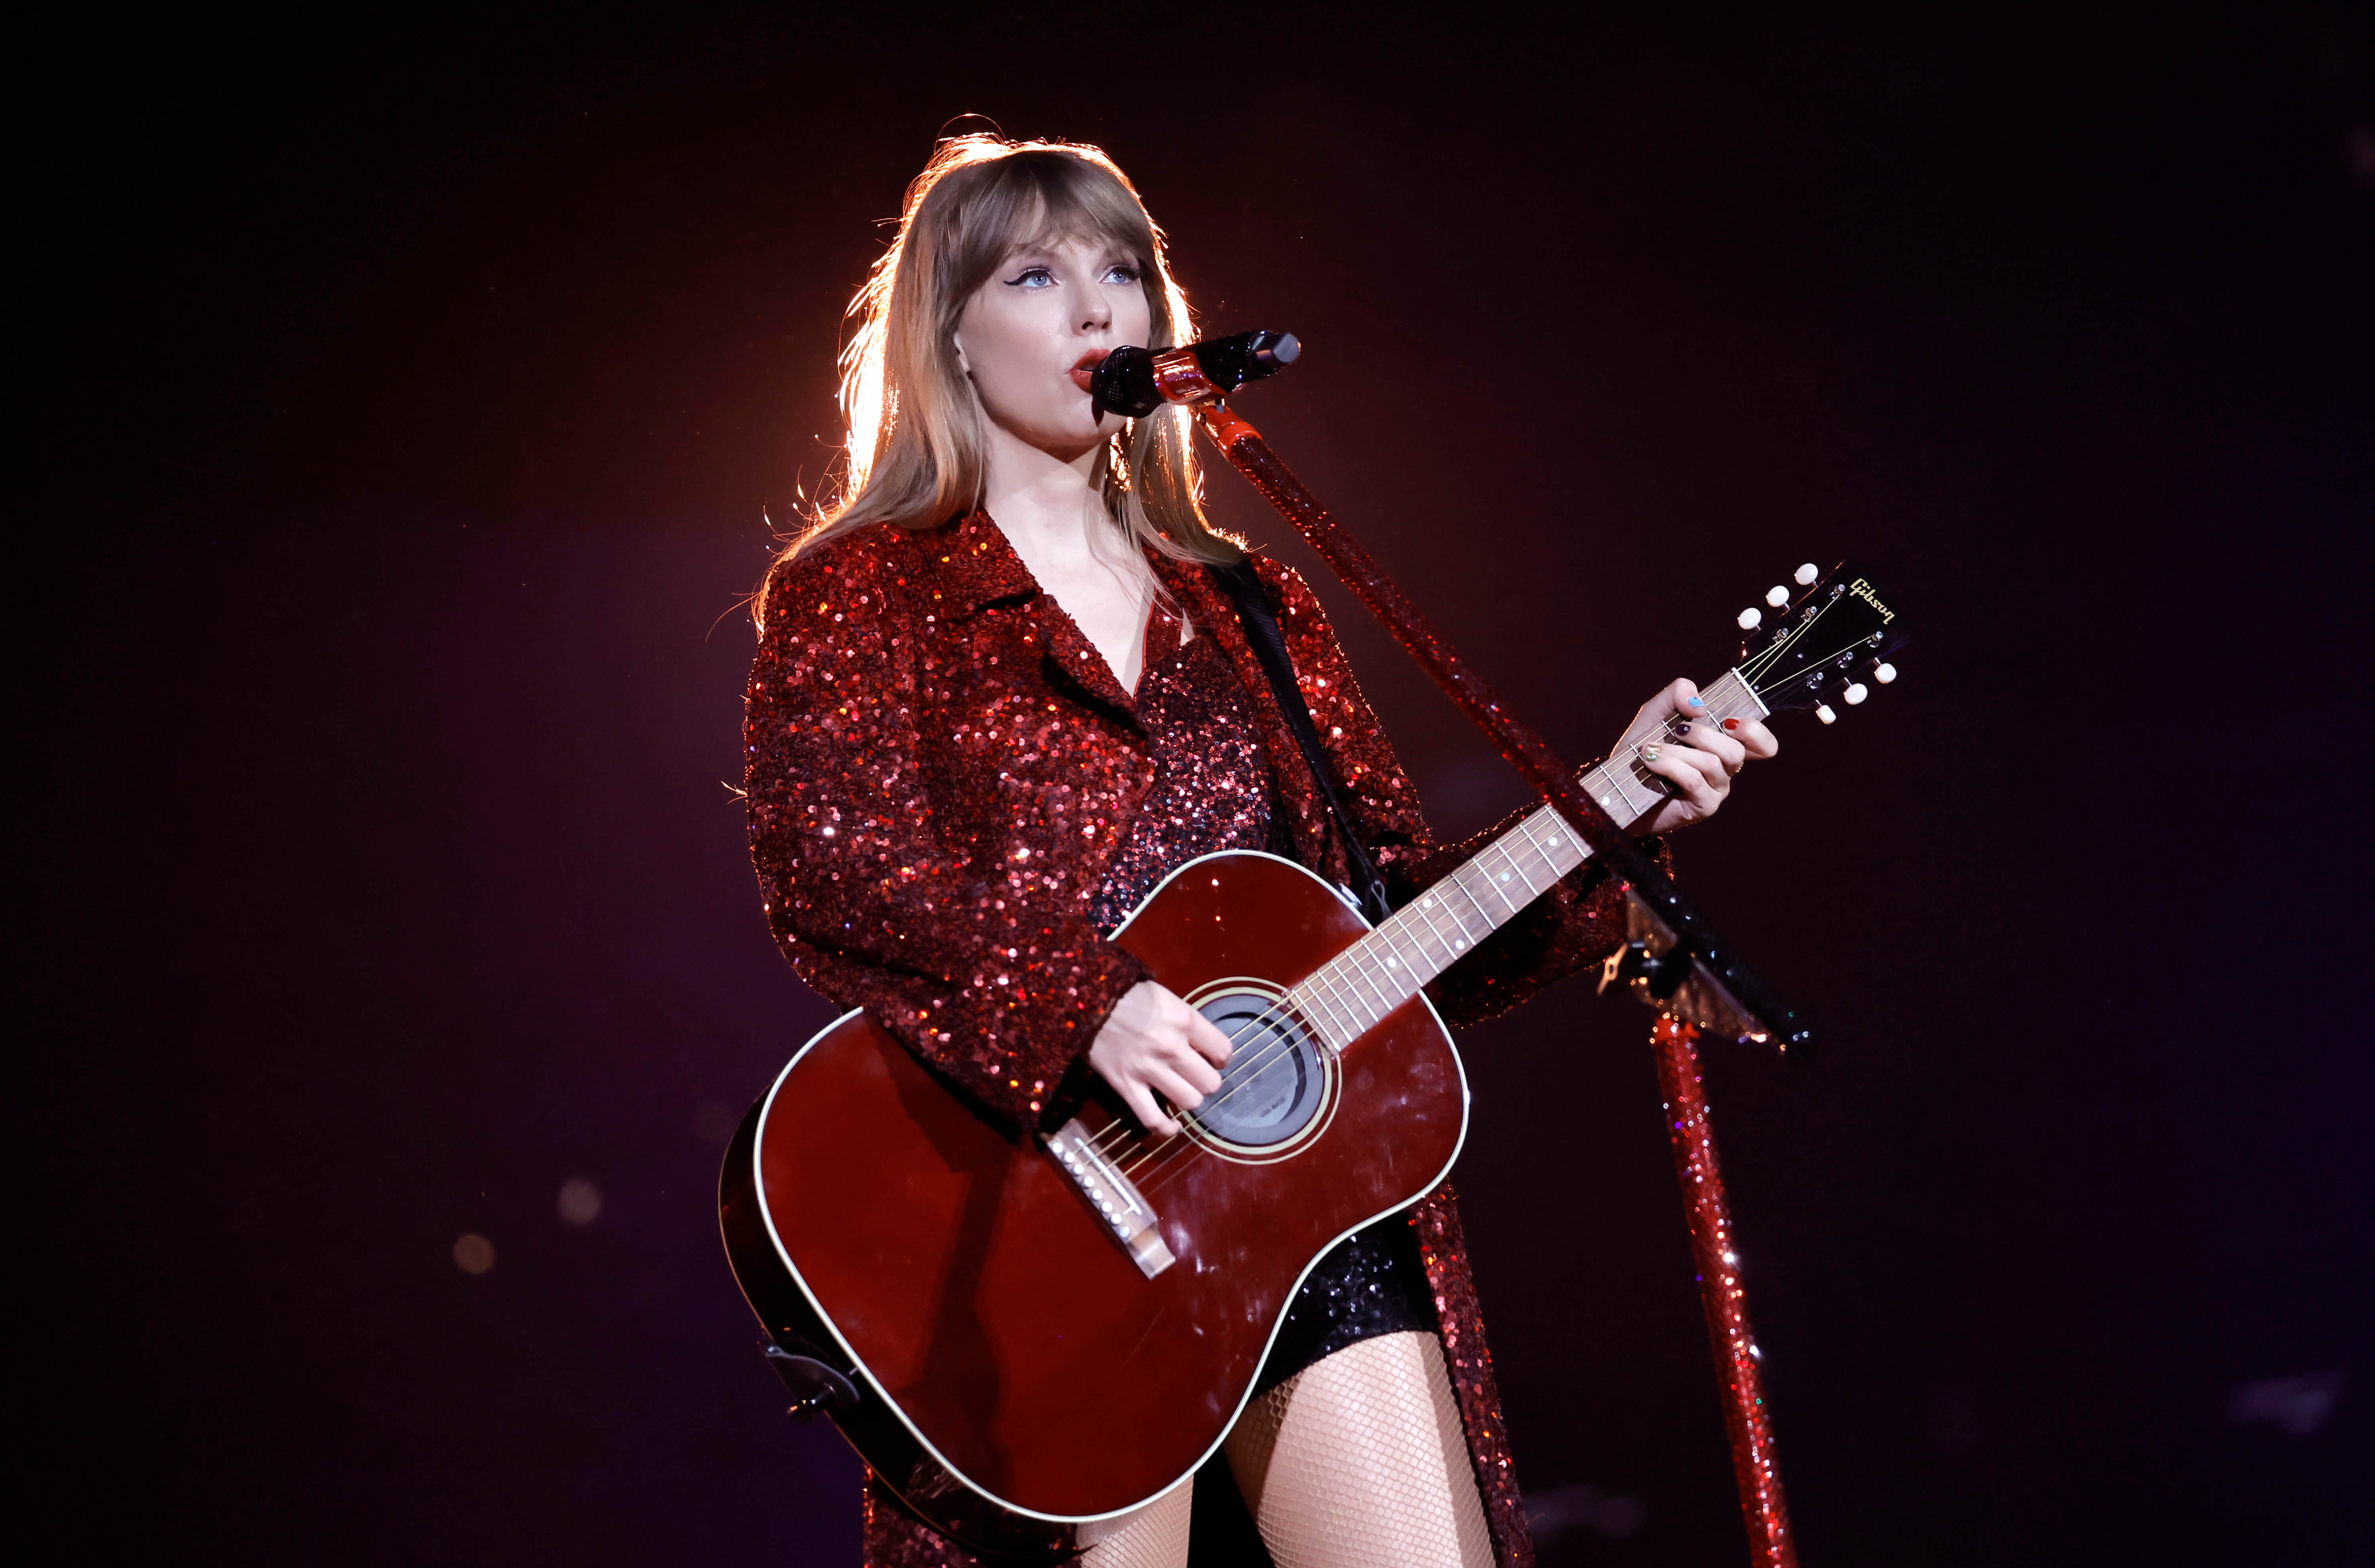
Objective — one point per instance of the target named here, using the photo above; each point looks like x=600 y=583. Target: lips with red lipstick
x=1087 y=366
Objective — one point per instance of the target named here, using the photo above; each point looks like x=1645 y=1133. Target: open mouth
x=1087 y=367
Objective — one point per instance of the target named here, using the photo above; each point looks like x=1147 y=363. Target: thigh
x=1360 y=1461
x=1154 y=1537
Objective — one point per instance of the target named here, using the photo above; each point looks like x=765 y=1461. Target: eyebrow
x=1043 y=247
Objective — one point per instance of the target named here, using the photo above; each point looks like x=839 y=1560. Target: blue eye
x=1032 y=278
x=1122 y=272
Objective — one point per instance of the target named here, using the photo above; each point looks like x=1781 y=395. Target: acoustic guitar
x=1031 y=1337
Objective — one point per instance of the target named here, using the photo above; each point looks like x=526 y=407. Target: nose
x=1096 y=310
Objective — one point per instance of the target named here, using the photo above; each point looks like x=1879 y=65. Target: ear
x=964 y=367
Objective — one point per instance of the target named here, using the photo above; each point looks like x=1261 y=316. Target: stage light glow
x=473 y=1253
x=2299 y=1404
x=580 y=1202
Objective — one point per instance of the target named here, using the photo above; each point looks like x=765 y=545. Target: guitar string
x=1287 y=1029
x=1348 y=1003
x=1282 y=1026
x=1757 y=664
x=1153 y=1166
x=1289 y=1034
x=1158 y=1162
x=1327 y=995
x=1402 y=928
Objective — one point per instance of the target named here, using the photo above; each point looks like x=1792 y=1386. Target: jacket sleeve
x=1576 y=924
x=999 y=983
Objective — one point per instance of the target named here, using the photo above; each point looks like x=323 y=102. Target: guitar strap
x=1261 y=621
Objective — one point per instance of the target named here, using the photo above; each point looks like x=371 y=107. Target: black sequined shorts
x=1371 y=1283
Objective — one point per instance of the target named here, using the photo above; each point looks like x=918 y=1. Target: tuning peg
x=1751 y=618
x=1777 y=596
x=1856 y=692
x=1824 y=712
x=1807 y=573
x=1883 y=673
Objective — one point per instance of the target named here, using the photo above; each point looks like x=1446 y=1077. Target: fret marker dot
x=1456 y=944
x=1604 y=800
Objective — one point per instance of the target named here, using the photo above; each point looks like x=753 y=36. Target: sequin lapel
x=980 y=568
x=1213 y=614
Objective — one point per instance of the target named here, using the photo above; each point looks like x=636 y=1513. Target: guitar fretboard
x=1346 y=997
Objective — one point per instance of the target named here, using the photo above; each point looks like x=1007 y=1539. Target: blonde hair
x=916 y=453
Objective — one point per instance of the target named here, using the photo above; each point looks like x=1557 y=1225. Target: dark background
x=403 y=404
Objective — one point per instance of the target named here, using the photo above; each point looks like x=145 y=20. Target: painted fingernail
x=1648 y=753
x=1697 y=703
x=1731 y=723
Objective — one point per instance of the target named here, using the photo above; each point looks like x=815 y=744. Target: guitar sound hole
x=1275 y=1082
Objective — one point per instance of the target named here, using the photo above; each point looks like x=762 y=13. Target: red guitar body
x=1018 y=1374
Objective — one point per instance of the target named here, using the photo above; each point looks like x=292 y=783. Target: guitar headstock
x=1824 y=647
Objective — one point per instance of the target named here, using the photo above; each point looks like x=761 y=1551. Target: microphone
x=1134 y=383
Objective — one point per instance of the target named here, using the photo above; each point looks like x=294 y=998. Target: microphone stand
x=1712 y=966
x=1675 y=960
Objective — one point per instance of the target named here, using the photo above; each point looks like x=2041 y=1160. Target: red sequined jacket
x=940 y=768
x=941 y=765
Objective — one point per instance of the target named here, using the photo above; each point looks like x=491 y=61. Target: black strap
x=1261 y=622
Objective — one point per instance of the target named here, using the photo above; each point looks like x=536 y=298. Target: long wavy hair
x=916 y=453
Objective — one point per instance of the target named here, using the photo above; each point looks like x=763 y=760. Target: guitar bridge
x=1127 y=1216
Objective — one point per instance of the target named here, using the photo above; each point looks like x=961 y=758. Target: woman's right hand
x=1154 y=1044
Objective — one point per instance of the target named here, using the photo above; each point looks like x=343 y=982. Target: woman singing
x=1000 y=693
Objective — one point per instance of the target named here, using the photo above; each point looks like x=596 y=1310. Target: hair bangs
x=1030 y=201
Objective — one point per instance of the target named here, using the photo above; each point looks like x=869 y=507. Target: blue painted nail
x=1696 y=703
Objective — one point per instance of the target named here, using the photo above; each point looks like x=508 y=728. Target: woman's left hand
x=1674 y=738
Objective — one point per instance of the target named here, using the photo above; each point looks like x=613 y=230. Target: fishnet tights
x=1360 y=1461
x=1154 y=1537
x=1357 y=1461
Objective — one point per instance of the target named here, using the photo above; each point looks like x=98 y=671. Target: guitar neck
x=1346 y=997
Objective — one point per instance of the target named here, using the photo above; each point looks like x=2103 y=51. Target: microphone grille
x=1284 y=350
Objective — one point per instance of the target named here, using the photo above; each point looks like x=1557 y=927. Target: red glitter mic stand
x=1674 y=960
x=1764 y=1508
x=1715 y=969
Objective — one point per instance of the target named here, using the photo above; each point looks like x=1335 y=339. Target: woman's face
x=1030 y=336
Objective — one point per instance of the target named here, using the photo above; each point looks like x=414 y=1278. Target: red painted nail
x=1731 y=723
